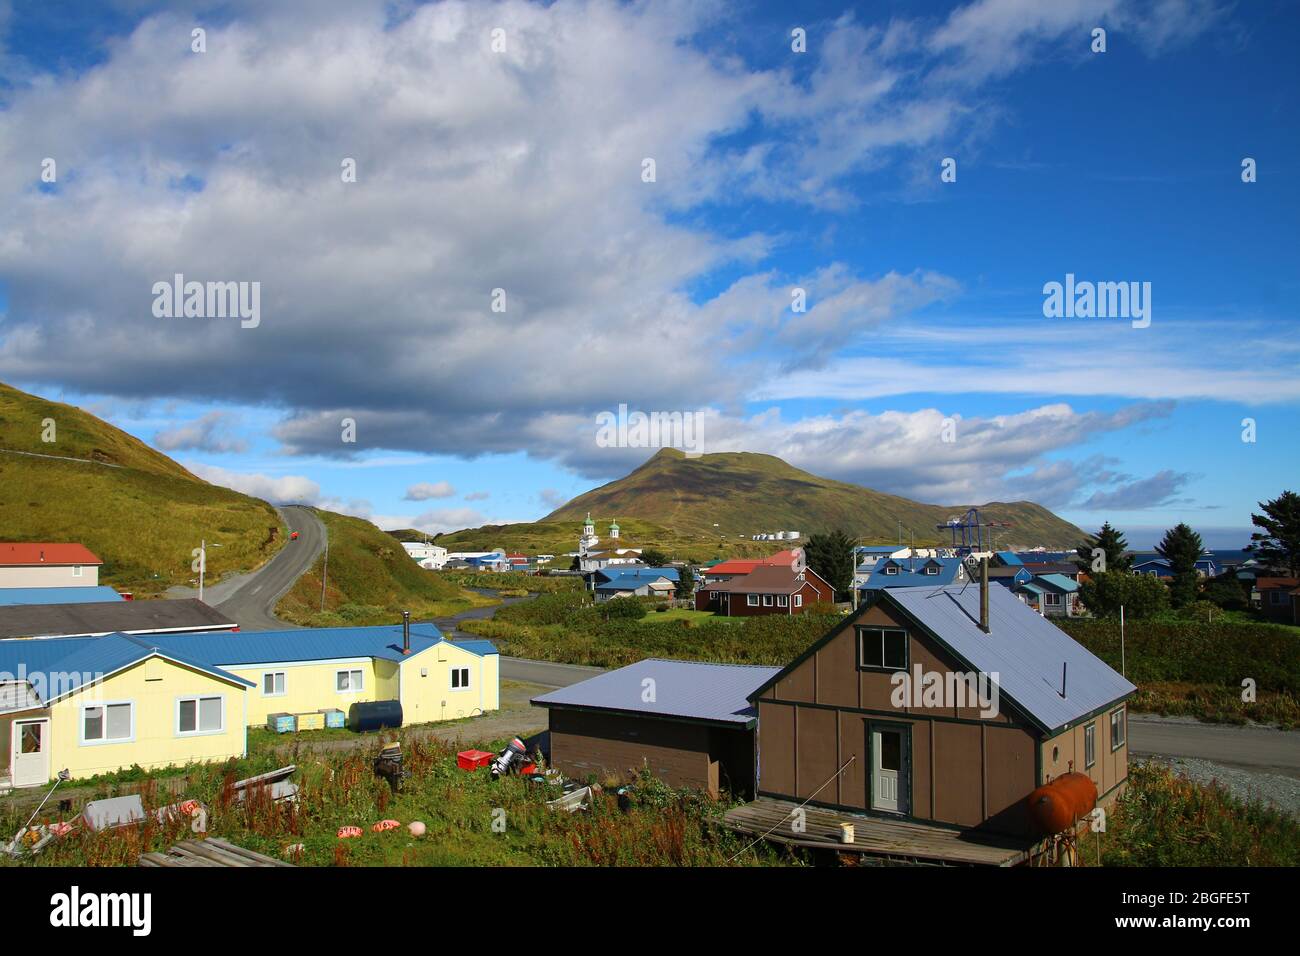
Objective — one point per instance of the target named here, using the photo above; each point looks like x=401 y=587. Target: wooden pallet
x=209 y=852
x=901 y=840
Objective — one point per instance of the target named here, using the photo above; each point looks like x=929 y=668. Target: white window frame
x=1090 y=745
x=783 y=600
x=104 y=741
x=891 y=569
x=198 y=715
x=1117 y=741
x=751 y=600
x=350 y=689
x=451 y=678
x=798 y=600
x=76 y=570
x=1052 y=599
x=767 y=600
x=931 y=569
x=284 y=683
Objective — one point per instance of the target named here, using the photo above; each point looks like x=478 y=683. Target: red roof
x=45 y=552
x=782 y=559
x=1263 y=584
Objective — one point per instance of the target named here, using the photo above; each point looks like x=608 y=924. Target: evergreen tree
x=685 y=582
x=1277 y=543
x=1111 y=542
x=832 y=556
x=1141 y=595
x=1181 y=547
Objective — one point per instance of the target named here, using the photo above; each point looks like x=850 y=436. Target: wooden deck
x=209 y=852
x=899 y=840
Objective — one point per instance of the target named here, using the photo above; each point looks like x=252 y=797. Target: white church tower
x=613 y=530
x=588 y=539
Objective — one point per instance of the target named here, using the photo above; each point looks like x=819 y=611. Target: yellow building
x=94 y=705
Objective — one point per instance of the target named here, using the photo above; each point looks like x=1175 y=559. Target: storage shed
x=689 y=723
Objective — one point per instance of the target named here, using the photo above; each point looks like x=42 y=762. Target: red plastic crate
x=473 y=759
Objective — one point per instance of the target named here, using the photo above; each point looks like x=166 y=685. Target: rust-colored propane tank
x=1058 y=805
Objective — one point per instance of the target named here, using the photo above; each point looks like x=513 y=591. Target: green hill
x=740 y=493
x=141 y=512
x=370 y=581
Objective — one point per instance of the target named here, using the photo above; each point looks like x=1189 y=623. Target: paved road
x=250 y=599
x=545 y=672
x=1253 y=748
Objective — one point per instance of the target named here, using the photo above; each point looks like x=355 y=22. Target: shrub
x=1141 y=595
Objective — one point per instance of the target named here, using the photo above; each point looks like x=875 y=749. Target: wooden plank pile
x=209 y=852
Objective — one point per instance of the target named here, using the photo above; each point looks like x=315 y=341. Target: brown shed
x=691 y=724
x=921 y=707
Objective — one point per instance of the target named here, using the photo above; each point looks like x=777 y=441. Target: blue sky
x=521 y=169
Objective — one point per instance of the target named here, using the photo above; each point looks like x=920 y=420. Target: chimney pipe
x=406 y=632
x=984 y=595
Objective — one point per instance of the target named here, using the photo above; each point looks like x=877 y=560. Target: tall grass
x=568 y=629
x=662 y=828
x=1163 y=819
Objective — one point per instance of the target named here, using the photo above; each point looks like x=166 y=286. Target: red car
x=293 y=536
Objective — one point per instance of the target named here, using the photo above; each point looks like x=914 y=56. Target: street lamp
x=203 y=562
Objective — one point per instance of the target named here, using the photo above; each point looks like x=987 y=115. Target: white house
x=426 y=555
x=43 y=564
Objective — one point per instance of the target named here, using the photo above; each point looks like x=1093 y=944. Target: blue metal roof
x=64 y=665
x=631 y=580
x=85 y=657
x=10 y=596
x=312 y=644
x=1023 y=648
x=911 y=573
x=1009 y=558
x=687 y=689
x=1057 y=582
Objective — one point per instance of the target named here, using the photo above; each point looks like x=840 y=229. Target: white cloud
x=284 y=488
x=424 y=490
x=209 y=432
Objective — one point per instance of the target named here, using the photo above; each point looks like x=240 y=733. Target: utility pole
x=203 y=564
x=325 y=571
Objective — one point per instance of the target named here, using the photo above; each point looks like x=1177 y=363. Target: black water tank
x=374 y=715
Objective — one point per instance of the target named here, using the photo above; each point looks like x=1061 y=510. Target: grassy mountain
x=731 y=494
x=370 y=581
x=141 y=512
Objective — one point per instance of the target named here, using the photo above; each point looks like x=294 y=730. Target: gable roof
x=70 y=663
x=1009 y=558
x=108 y=617
x=911 y=573
x=1025 y=650
x=633 y=580
x=383 y=642
x=45 y=552
x=69 y=595
x=768 y=580
x=690 y=690
x=1057 y=582
x=781 y=559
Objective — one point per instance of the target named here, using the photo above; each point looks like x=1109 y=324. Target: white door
x=887 y=755
x=30 y=757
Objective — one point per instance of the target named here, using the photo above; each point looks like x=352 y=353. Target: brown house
x=1279 y=599
x=996 y=703
x=765 y=590
x=690 y=724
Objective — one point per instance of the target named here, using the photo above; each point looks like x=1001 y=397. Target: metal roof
x=911 y=573
x=108 y=617
x=73 y=595
x=1057 y=582
x=691 y=690
x=63 y=665
x=45 y=552
x=312 y=644
x=1023 y=648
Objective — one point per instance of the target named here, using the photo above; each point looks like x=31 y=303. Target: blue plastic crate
x=334 y=717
